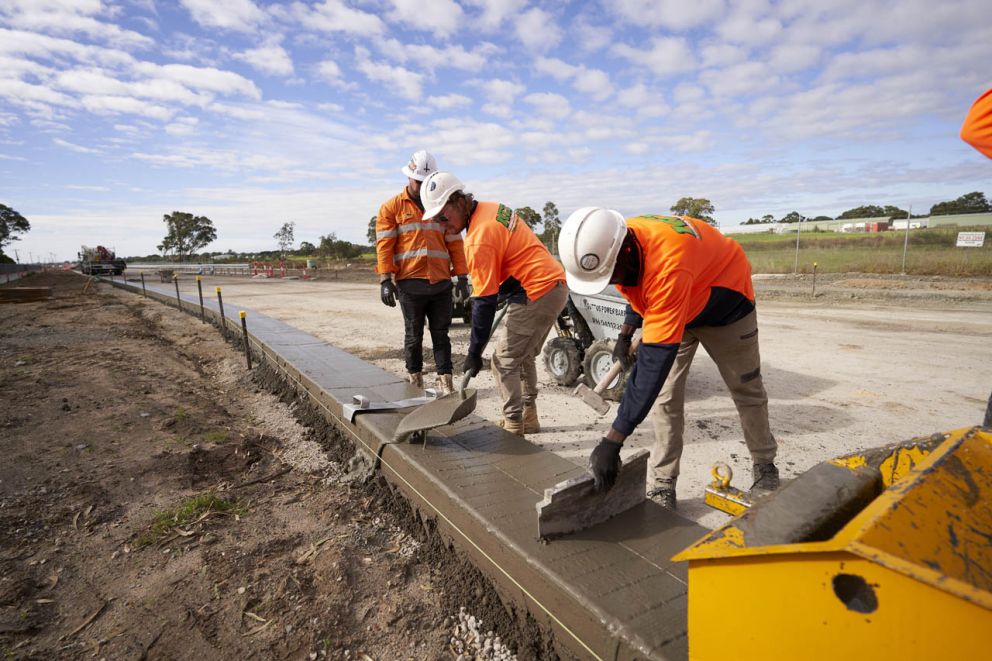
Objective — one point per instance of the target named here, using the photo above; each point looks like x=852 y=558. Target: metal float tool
x=448 y=409
x=574 y=505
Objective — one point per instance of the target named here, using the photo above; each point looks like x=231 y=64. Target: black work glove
x=604 y=462
x=461 y=288
x=472 y=364
x=621 y=351
x=387 y=291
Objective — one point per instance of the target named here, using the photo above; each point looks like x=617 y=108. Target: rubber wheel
x=598 y=360
x=563 y=360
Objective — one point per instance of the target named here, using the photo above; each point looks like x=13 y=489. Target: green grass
x=187 y=512
x=215 y=437
x=930 y=252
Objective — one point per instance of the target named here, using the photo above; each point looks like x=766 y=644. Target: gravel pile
x=468 y=643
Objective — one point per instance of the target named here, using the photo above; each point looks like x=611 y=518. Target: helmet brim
x=411 y=174
x=586 y=287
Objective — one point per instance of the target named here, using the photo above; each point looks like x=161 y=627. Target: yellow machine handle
x=722 y=474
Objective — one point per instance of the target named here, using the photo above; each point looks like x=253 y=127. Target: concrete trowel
x=444 y=410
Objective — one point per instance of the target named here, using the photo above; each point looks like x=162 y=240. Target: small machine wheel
x=563 y=360
x=598 y=361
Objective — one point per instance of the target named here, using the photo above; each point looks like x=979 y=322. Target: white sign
x=971 y=239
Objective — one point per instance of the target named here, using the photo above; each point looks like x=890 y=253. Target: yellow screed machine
x=883 y=554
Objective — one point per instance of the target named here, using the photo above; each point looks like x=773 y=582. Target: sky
x=114 y=113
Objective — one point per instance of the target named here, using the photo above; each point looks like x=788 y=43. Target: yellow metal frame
x=910 y=576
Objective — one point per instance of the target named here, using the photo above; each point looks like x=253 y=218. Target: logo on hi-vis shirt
x=504 y=216
x=680 y=225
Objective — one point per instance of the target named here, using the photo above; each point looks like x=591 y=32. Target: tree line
x=974 y=202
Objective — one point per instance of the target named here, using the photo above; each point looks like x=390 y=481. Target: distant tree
x=552 y=227
x=186 y=234
x=307 y=248
x=866 y=211
x=695 y=207
x=823 y=218
x=11 y=224
x=334 y=248
x=968 y=203
x=768 y=218
x=894 y=212
x=529 y=216
x=793 y=217
x=285 y=237
x=371 y=232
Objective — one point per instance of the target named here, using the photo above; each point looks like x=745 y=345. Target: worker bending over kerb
x=688 y=285
x=501 y=249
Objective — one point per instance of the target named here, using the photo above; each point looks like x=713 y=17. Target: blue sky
x=113 y=113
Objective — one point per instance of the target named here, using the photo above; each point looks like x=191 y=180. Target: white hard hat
x=421 y=164
x=589 y=243
x=436 y=190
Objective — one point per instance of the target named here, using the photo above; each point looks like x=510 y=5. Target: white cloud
x=237 y=15
x=537 y=30
x=593 y=82
x=440 y=17
x=202 y=78
x=449 y=101
x=550 y=105
x=400 y=81
x=494 y=12
x=182 y=126
x=644 y=100
x=718 y=54
x=69 y=18
x=667 y=56
x=790 y=58
x=744 y=79
x=590 y=37
x=272 y=60
x=429 y=58
x=673 y=14
x=335 y=16
x=83 y=187
x=74 y=147
x=500 y=95
x=100 y=104
x=740 y=28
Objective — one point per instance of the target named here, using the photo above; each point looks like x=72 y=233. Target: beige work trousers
x=734 y=349
x=514 y=358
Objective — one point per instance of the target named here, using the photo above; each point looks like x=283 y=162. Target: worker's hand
x=621 y=351
x=472 y=365
x=461 y=288
x=387 y=291
x=604 y=462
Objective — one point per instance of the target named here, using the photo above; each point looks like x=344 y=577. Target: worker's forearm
x=615 y=436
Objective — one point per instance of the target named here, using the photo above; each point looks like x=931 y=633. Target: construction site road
x=869 y=361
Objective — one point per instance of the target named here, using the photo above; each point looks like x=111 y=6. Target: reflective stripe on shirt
x=423 y=252
x=385 y=235
x=417 y=227
x=448 y=238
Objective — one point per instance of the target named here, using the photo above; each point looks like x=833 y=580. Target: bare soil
x=115 y=410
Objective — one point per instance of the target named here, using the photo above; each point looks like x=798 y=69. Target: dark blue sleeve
x=654 y=362
x=483 y=312
x=631 y=318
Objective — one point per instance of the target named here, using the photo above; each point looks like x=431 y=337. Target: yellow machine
x=884 y=554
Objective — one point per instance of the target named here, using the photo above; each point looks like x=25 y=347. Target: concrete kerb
x=580 y=588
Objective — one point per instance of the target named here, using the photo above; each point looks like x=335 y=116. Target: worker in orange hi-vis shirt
x=503 y=256
x=977 y=128
x=977 y=132
x=687 y=284
x=415 y=263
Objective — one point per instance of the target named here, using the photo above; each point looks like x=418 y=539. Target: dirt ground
x=116 y=411
x=868 y=361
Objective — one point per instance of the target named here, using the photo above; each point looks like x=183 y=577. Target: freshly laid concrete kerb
x=609 y=592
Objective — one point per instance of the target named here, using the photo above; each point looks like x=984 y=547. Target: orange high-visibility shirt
x=682 y=259
x=499 y=245
x=411 y=247
x=977 y=128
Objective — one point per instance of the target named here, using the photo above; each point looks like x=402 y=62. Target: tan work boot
x=416 y=378
x=445 y=385
x=513 y=426
x=531 y=424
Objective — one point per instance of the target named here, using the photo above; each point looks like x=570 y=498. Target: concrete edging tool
x=445 y=410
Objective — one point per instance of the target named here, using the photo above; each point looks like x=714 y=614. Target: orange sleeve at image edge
x=977 y=128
